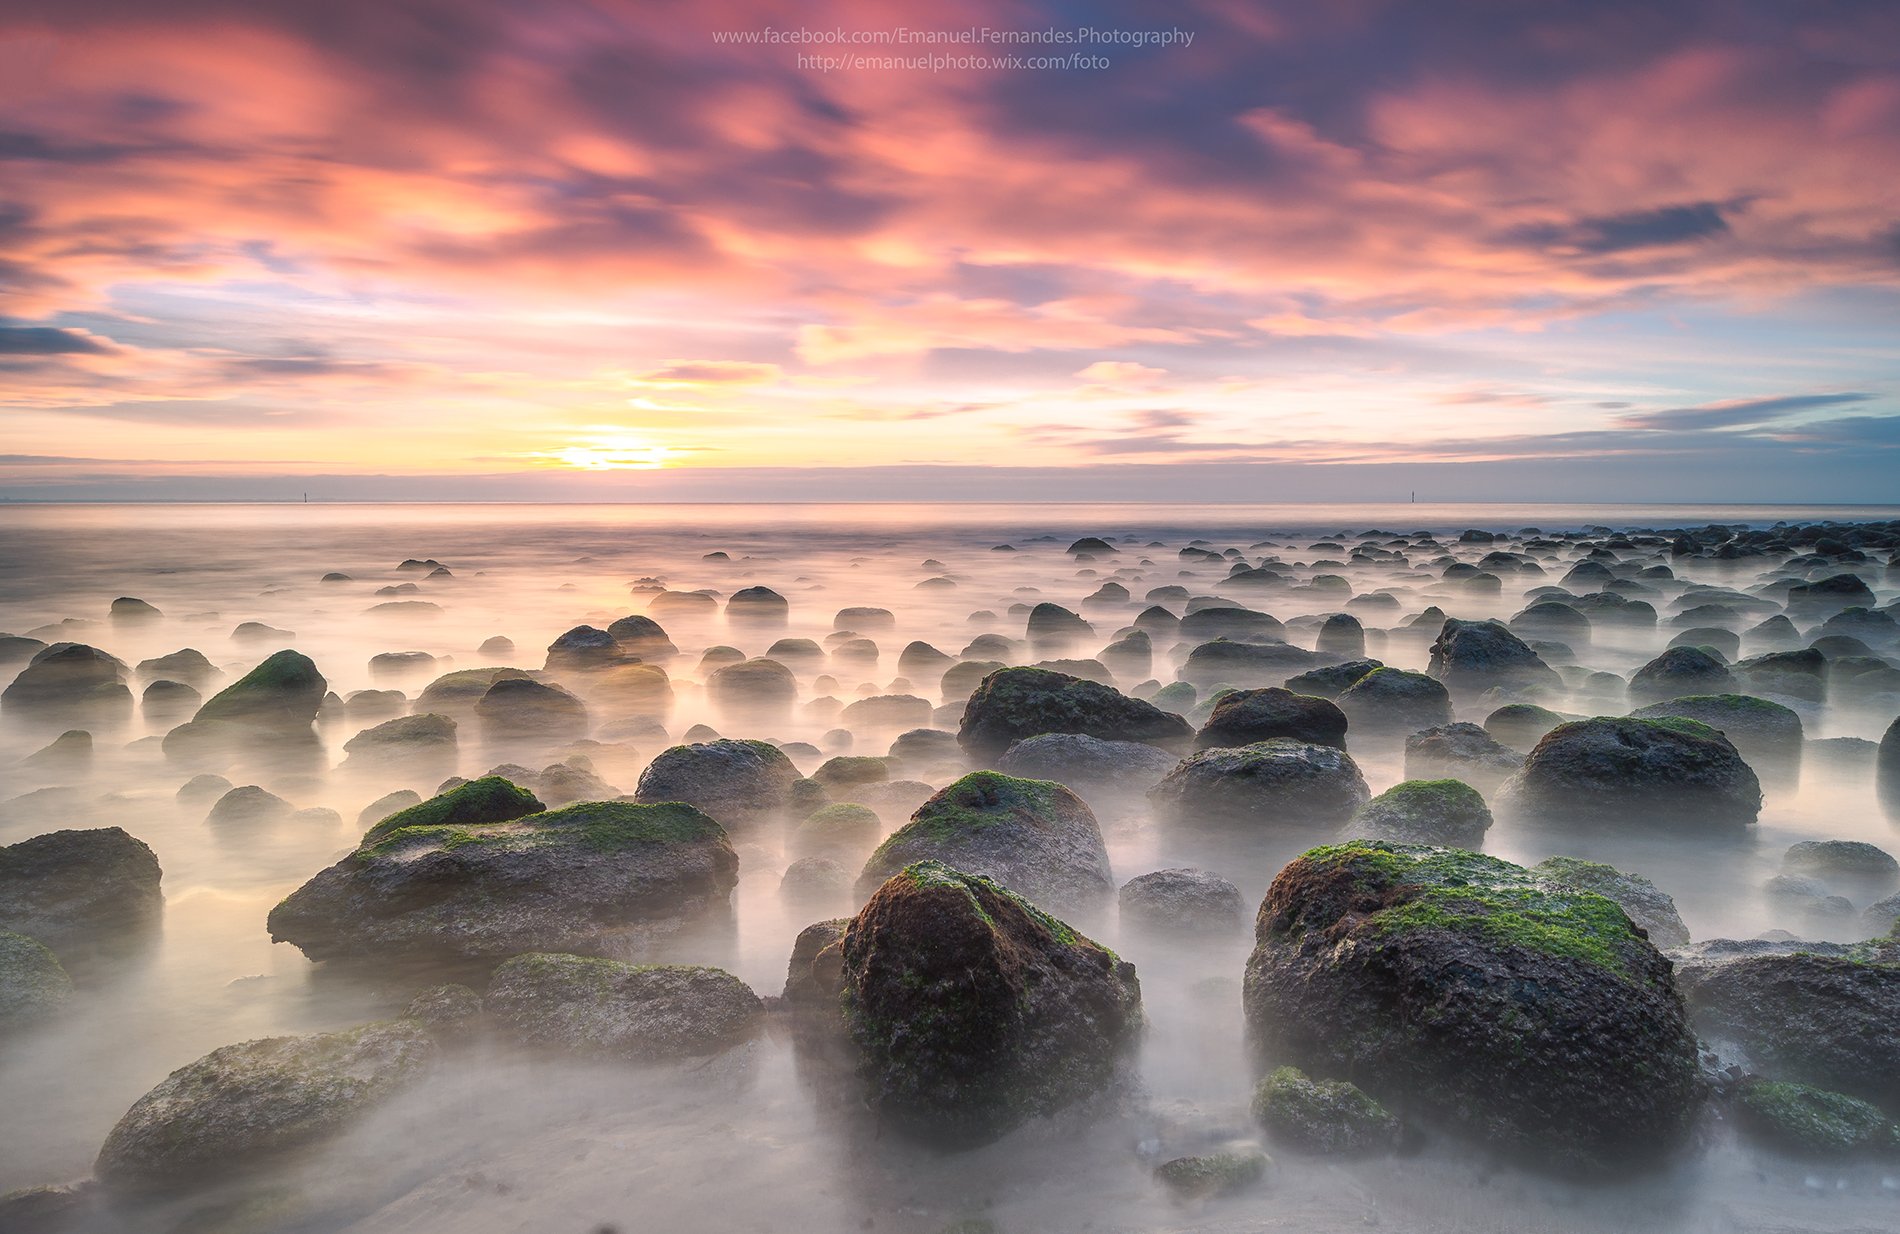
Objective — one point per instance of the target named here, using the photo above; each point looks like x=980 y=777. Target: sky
x=473 y=249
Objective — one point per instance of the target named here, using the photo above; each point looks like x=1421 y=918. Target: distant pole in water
x=1414 y=497
x=306 y=499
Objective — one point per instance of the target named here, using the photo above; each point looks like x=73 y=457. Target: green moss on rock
x=490 y=799
x=1322 y=1116
x=1812 y=1122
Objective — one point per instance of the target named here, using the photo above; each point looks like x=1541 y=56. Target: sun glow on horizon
x=613 y=454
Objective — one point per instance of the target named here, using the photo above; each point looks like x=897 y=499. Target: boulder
x=1034 y=837
x=1247 y=665
x=1681 y=671
x=1014 y=703
x=1651 y=909
x=1521 y=725
x=1270 y=784
x=1863 y=869
x=1395 y=700
x=1322 y=1116
x=609 y=1009
x=1460 y=752
x=71 y=888
x=752 y=686
x=1520 y=1012
x=33 y=985
x=244 y=1105
x=973 y=1011
x=1096 y=769
x=279 y=696
x=1242 y=717
x=424 y=744
x=1331 y=680
x=1445 y=812
x=1812 y=1122
x=642 y=637
x=757 y=606
x=69 y=679
x=739 y=783
x=1478 y=655
x=1659 y=775
x=522 y=709
x=1184 y=901
x=597 y=878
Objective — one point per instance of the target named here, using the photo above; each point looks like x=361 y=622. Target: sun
x=613 y=454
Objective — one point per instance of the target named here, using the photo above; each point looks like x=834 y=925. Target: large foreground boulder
x=974 y=1011
x=1014 y=703
x=1034 y=837
x=76 y=888
x=597 y=878
x=244 y=1105
x=606 y=1008
x=740 y=783
x=1624 y=772
x=1277 y=783
x=1523 y=1013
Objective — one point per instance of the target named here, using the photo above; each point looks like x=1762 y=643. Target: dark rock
x=1243 y=717
x=69 y=678
x=739 y=783
x=522 y=709
x=753 y=686
x=1182 y=901
x=424 y=743
x=1268 y=784
x=33 y=985
x=1446 y=812
x=1246 y=664
x=1863 y=868
x=248 y=805
x=1657 y=774
x=1322 y=1116
x=635 y=1012
x=1520 y=1012
x=641 y=636
x=1094 y=768
x=1681 y=671
x=1478 y=655
x=67 y=888
x=1331 y=680
x=1812 y=1122
x=280 y=696
x=1459 y=752
x=1014 y=703
x=1393 y=699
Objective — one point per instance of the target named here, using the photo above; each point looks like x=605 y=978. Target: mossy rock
x=1812 y=1122
x=1194 y=1178
x=1322 y=1116
x=490 y=799
x=1014 y=703
x=850 y=770
x=974 y=1011
x=1448 y=812
x=1526 y=1013
x=280 y=695
x=605 y=1008
x=1666 y=774
x=1649 y=907
x=842 y=827
x=33 y=985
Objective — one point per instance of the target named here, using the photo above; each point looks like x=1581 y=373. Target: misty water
x=496 y=1141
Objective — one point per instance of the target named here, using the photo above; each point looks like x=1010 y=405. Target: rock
x=1185 y=901
x=422 y=743
x=69 y=754
x=928 y=752
x=739 y=783
x=1812 y=1122
x=815 y=880
x=522 y=709
x=1521 y=725
x=1215 y=1174
x=1246 y=665
x=561 y=784
x=71 y=1208
x=641 y=636
x=634 y=1012
x=1243 y=717
x=842 y=830
x=187 y=665
x=599 y=878
x=1553 y=620
x=636 y=689
x=752 y=686
x=1887 y=769
x=1392 y=699
x=758 y=606
x=1661 y=775
x=1459 y=752
x=400 y=663
x=497 y=647
x=1331 y=680
x=1792 y=674
x=1651 y=909
x=1478 y=655
x=1051 y=625
x=15 y=648
x=887 y=711
x=244 y=1105
x=33 y=985
x=69 y=678
x=1855 y=865
x=1239 y=624
x=201 y=791
x=1322 y=1116
x=169 y=700
x=458 y=693
x=862 y=618
x=70 y=888
x=1014 y=703
x=1094 y=546
x=1096 y=769
x=1446 y=812
x=248 y=805
x=1270 y=784
x=974 y=1011
x=1129 y=657
x=1829 y=596
x=1034 y=837
x=279 y=696
x=1681 y=671
x=448 y=1011
x=1342 y=635
x=1819 y=1019
x=1517 y=1011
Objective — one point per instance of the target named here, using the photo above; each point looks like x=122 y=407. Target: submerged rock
x=1446 y=812
x=69 y=678
x=1014 y=703
x=1812 y=1122
x=974 y=1011
x=739 y=783
x=1269 y=784
x=1681 y=671
x=1521 y=1012
x=33 y=984
x=424 y=743
x=1214 y=1174
x=1322 y=1116
x=244 y=1105
x=597 y=878
x=1653 y=774
x=1460 y=751
x=637 y=1012
x=1034 y=837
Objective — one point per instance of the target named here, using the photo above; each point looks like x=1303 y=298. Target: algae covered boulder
x=1812 y=1122
x=1014 y=703
x=1461 y=751
x=973 y=1011
x=1758 y=727
x=606 y=1008
x=244 y=1105
x=1392 y=699
x=1242 y=717
x=1034 y=837
x=69 y=679
x=1520 y=1012
x=739 y=783
x=1626 y=772
x=1322 y=1116
x=76 y=888
x=1273 y=783
x=1447 y=812
x=279 y=696
x=596 y=878
x=1478 y=655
